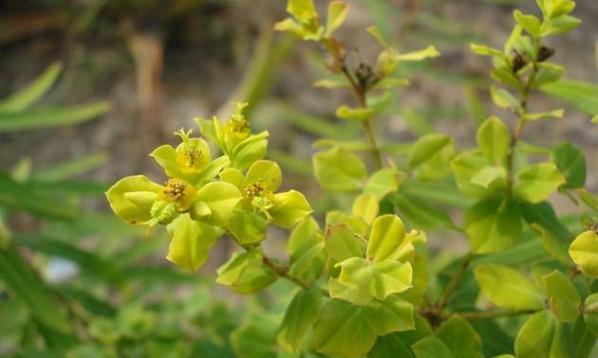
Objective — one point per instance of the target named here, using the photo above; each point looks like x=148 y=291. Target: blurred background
x=89 y=87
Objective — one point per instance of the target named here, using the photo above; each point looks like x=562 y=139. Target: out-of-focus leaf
x=24 y=283
x=36 y=89
x=508 y=288
x=18 y=196
x=50 y=117
x=88 y=262
x=71 y=168
x=580 y=94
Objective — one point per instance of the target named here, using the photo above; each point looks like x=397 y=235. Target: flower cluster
x=205 y=197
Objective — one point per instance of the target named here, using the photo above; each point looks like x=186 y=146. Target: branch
x=493 y=314
x=453 y=283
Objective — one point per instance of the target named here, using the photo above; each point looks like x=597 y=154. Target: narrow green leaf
x=26 y=285
x=33 y=92
x=580 y=94
x=49 y=117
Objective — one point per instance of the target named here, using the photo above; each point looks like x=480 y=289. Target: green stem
x=493 y=314
x=520 y=124
x=360 y=92
x=282 y=271
x=453 y=283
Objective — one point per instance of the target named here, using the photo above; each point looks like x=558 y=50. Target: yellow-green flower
x=235 y=139
x=190 y=160
x=261 y=204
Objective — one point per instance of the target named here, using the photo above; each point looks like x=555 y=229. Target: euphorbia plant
x=366 y=285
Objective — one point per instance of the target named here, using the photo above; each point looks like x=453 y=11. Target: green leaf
x=246 y=273
x=70 y=168
x=290 y=208
x=559 y=25
x=366 y=207
x=31 y=198
x=484 y=50
x=557 y=113
x=429 y=156
x=580 y=94
x=539 y=337
x=303 y=10
x=361 y=280
x=341 y=243
x=555 y=236
x=255 y=338
x=547 y=73
x=49 y=117
x=345 y=330
x=354 y=114
x=250 y=150
x=555 y=8
x=390 y=346
x=190 y=242
x=419 y=212
x=507 y=288
x=563 y=295
x=584 y=252
x=503 y=98
x=337 y=13
x=494 y=139
x=247 y=227
x=382 y=182
x=529 y=23
x=490 y=176
x=591 y=318
x=24 y=283
x=464 y=167
x=339 y=170
x=132 y=197
x=492 y=224
x=33 y=92
x=571 y=162
x=306 y=250
x=431 y=346
x=460 y=338
x=221 y=198
x=386 y=237
x=537 y=182
x=428 y=52
x=299 y=318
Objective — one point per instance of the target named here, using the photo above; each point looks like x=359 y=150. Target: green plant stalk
x=360 y=92
x=453 y=284
x=493 y=314
x=520 y=124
